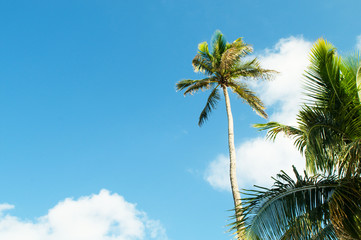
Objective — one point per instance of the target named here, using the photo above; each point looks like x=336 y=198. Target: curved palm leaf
x=308 y=208
x=212 y=101
x=358 y=81
x=192 y=86
x=249 y=96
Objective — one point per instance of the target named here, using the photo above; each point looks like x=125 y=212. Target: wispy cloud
x=102 y=216
x=358 y=43
x=257 y=158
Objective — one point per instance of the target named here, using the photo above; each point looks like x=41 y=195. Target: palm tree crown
x=224 y=66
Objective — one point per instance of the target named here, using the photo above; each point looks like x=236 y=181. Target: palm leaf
x=203 y=61
x=233 y=54
x=274 y=128
x=302 y=208
x=248 y=96
x=212 y=101
x=192 y=86
x=251 y=70
x=358 y=81
x=219 y=45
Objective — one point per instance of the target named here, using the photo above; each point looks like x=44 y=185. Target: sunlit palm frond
x=203 y=61
x=204 y=52
x=274 y=128
x=201 y=65
x=248 y=96
x=358 y=81
x=212 y=101
x=233 y=54
x=251 y=69
x=349 y=69
x=239 y=43
x=192 y=86
x=323 y=75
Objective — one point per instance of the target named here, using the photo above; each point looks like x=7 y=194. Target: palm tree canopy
x=326 y=206
x=224 y=66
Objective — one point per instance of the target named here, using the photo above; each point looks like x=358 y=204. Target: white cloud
x=102 y=216
x=358 y=43
x=257 y=158
x=290 y=58
x=257 y=161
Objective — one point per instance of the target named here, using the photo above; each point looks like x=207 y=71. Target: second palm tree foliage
x=326 y=205
x=225 y=67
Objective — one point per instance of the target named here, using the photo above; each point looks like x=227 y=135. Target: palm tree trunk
x=232 y=167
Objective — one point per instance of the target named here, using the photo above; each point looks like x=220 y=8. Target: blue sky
x=91 y=124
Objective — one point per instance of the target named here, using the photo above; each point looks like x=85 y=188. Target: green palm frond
x=350 y=160
x=323 y=75
x=211 y=104
x=303 y=209
x=192 y=86
x=239 y=43
x=232 y=56
x=219 y=45
x=345 y=208
x=249 y=96
x=326 y=233
x=202 y=65
x=274 y=128
x=203 y=61
x=358 y=81
x=251 y=69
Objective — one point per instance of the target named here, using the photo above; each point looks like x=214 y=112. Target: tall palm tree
x=225 y=66
x=328 y=204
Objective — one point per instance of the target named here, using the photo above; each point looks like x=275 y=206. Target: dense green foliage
x=326 y=205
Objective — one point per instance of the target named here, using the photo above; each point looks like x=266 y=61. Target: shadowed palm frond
x=350 y=160
x=345 y=208
x=211 y=104
x=219 y=45
x=327 y=233
x=303 y=209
